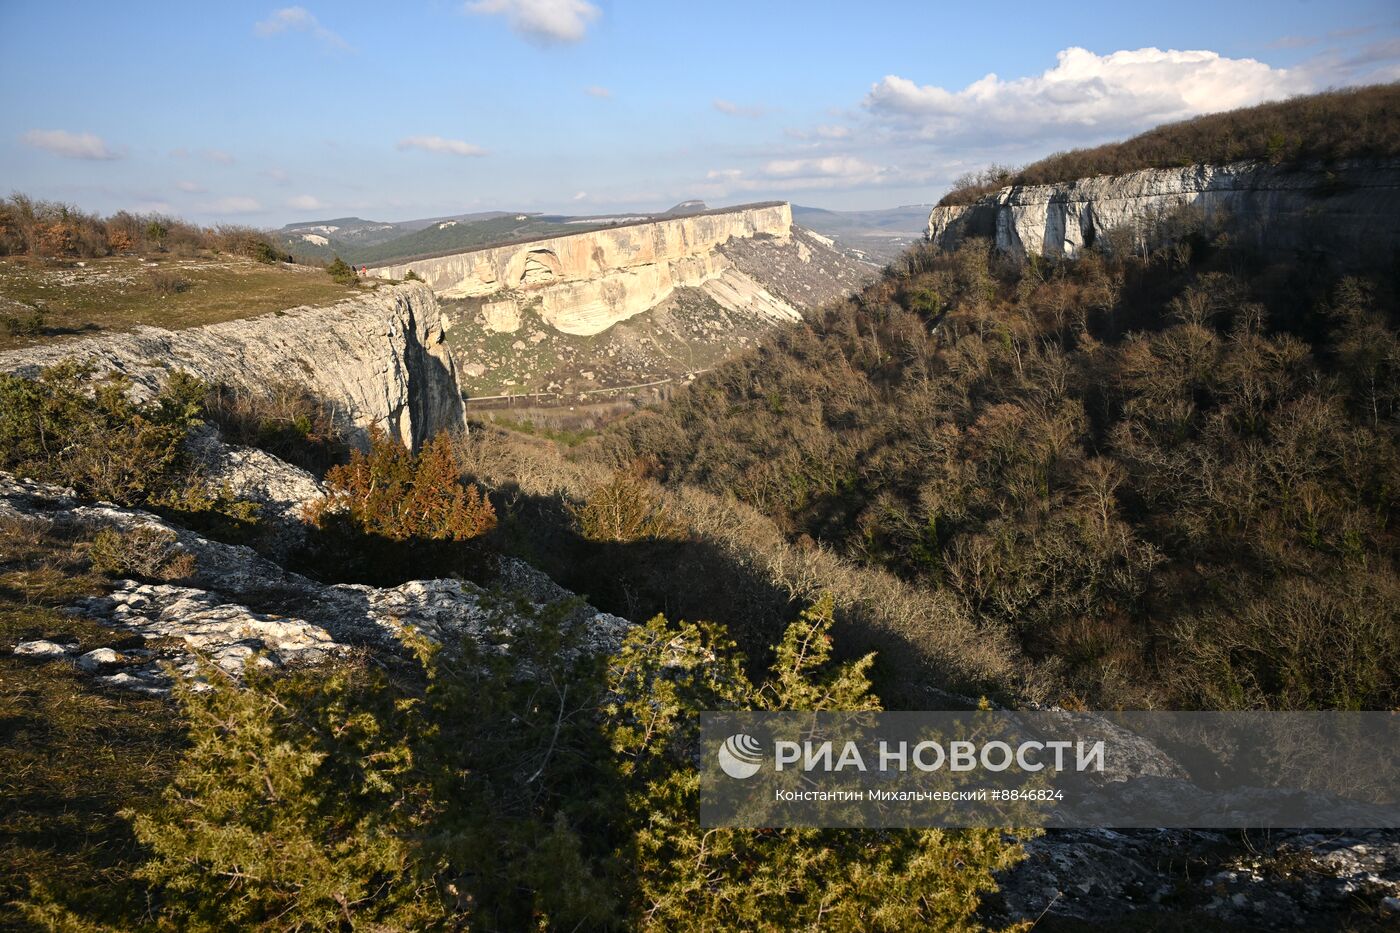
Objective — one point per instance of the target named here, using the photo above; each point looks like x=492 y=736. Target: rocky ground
x=237 y=604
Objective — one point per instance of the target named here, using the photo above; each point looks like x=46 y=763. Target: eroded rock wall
x=586 y=282
x=379 y=358
x=1350 y=211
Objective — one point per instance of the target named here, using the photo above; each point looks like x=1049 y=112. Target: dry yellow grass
x=117 y=293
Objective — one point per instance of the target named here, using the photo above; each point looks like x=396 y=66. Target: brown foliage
x=1084 y=455
x=53 y=229
x=391 y=493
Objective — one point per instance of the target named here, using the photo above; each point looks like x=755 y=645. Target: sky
x=262 y=114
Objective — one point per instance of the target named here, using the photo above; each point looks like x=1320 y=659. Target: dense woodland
x=1172 y=479
x=1319 y=128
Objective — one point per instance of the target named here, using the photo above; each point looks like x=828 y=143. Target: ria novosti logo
x=740 y=756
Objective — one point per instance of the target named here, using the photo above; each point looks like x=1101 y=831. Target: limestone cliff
x=1350 y=210
x=379 y=358
x=586 y=282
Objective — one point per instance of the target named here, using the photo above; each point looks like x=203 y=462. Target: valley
x=391 y=575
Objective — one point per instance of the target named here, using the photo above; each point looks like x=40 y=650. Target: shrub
x=146 y=551
x=66 y=427
x=29 y=324
x=168 y=283
x=393 y=493
x=342 y=273
x=567 y=799
x=626 y=508
x=412 y=276
x=286 y=419
x=390 y=515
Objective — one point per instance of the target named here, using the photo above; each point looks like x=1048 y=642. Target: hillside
x=1170 y=478
x=879 y=235
x=1326 y=128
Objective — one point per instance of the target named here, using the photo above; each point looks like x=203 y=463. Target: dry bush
x=54 y=229
x=168 y=283
x=286 y=419
x=626 y=508
x=144 y=552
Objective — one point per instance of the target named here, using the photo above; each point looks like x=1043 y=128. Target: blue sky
x=263 y=114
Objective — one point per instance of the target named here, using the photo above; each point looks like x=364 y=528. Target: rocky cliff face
x=379 y=358
x=1350 y=211
x=584 y=283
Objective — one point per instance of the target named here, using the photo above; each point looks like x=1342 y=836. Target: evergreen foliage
x=566 y=798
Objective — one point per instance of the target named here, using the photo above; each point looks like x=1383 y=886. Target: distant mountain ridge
x=878 y=235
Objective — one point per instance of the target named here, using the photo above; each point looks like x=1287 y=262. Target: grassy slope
x=119 y=292
x=72 y=755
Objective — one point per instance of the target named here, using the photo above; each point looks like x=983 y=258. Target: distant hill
x=1327 y=127
x=878 y=236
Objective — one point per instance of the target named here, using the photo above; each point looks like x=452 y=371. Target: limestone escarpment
x=379 y=358
x=584 y=283
x=1350 y=211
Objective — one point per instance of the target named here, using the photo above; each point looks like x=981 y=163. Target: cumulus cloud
x=234 y=205
x=306 y=202
x=1115 y=93
x=821 y=173
x=597 y=91
x=297 y=19
x=190 y=187
x=439 y=144
x=71 y=145
x=542 y=21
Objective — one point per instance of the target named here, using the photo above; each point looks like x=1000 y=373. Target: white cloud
x=306 y=202
x=1105 y=94
x=581 y=195
x=278 y=176
x=597 y=91
x=191 y=187
x=233 y=205
x=439 y=144
x=297 y=19
x=824 y=173
x=71 y=145
x=542 y=21
x=737 y=110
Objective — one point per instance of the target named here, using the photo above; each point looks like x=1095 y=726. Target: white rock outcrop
x=379 y=357
x=1349 y=210
x=584 y=283
x=238 y=604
